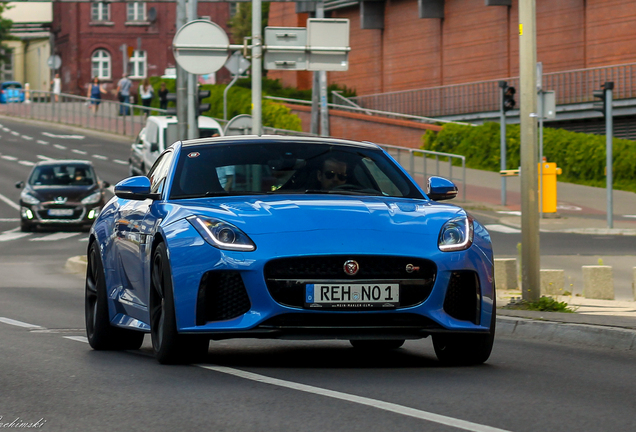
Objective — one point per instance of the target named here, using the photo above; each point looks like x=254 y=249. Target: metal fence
x=107 y=115
x=574 y=86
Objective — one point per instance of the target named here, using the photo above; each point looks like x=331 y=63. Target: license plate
x=60 y=212
x=352 y=295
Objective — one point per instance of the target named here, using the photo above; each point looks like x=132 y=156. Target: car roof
x=164 y=121
x=56 y=162
x=244 y=139
x=11 y=82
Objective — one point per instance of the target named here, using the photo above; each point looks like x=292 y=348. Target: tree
x=5 y=28
x=241 y=22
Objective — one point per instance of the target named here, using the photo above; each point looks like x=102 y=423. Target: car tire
x=377 y=344
x=25 y=227
x=100 y=333
x=465 y=349
x=168 y=345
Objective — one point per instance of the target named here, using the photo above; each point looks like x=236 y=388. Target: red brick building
x=89 y=36
x=393 y=48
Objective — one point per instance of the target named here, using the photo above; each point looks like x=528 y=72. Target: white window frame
x=138 y=64
x=6 y=69
x=100 y=11
x=100 y=63
x=136 y=11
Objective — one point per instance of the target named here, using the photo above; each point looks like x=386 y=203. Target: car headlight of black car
x=92 y=198
x=27 y=198
x=222 y=235
x=456 y=234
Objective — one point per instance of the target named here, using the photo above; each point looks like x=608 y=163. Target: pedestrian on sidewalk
x=57 y=87
x=95 y=91
x=123 y=94
x=146 y=93
x=163 y=96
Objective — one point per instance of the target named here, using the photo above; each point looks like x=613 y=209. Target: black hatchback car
x=61 y=193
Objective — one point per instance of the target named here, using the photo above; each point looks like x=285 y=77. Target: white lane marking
x=28 y=138
x=19 y=323
x=15 y=133
x=12 y=230
x=63 y=136
x=55 y=236
x=44 y=157
x=568 y=207
x=512 y=213
x=42 y=142
x=77 y=338
x=8 y=236
x=61 y=147
x=100 y=157
x=120 y=162
x=26 y=163
x=630 y=216
x=9 y=158
x=82 y=152
x=374 y=403
x=8 y=201
x=9 y=219
x=502 y=228
x=85 y=239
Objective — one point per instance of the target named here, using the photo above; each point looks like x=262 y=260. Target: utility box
x=548 y=172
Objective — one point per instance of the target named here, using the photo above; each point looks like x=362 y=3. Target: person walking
x=163 y=96
x=146 y=93
x=95 y=91
x=123 y=94
x=57 y=87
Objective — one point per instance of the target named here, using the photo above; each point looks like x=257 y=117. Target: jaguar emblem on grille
x=351 y=267
x=410 y=268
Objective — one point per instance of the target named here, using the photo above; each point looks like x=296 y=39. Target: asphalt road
x=48 y=373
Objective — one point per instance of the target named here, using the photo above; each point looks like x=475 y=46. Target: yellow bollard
x=549 y=183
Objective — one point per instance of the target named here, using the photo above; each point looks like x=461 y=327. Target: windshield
x=62 y=175
x=287 y=168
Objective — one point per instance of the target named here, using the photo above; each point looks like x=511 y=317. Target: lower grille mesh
x=222 y=296
x=463 y=296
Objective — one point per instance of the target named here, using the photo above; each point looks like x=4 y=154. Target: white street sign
x=54 y=62
x=201 y=47
x=237 y=64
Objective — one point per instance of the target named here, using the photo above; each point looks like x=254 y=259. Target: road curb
x=76 y=264
x=566 y=333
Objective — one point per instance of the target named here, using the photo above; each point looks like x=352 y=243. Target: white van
x=160 y=132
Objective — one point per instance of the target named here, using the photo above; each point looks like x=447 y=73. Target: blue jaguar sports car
x=289 y=238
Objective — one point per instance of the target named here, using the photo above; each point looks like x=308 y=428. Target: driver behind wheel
x=332 y=174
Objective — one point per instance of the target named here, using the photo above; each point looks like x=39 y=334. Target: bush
x=580 y=156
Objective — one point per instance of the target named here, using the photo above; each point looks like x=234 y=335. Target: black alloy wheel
x=168 y=345
x=100 y=333
x=465 y=349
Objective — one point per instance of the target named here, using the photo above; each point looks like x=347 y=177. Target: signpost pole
x=257 y=50
x=193 y=100
x=182 y=91
x=322 y=84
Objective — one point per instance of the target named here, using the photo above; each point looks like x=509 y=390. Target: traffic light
x=508 y=96
x=203 y=107
x=604 y=96
x=171 y=97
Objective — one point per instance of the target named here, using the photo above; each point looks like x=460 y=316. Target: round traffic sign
x=54 y=62
x=239 y=125
x=201 y=47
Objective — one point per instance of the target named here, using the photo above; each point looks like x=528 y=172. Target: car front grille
x=78 y=213
x=286 y=278
x=222 y=296
x=463 y=296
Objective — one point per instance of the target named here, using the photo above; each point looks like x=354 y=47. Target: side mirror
x=19 y=185
x=439 y=189
x=154 y=147
x=135 y=188
x=105 y=184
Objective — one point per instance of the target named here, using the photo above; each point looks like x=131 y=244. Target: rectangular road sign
x=285 y=48
x=328 y=44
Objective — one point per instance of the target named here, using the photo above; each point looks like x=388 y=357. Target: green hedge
x=580 y=156
x=239 y=101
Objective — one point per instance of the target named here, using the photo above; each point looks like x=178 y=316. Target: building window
x=100 y=11
x=136 y=11
x=6 y=66
x=137 y=64
x=232 y=9
x=100 y=61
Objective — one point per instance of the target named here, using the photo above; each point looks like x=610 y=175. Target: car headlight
x=456 y=234
x=92 y=198
x=221 y=234
x=27 y=198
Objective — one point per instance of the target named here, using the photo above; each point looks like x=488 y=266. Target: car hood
x=71 y=193
x=276 y=214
